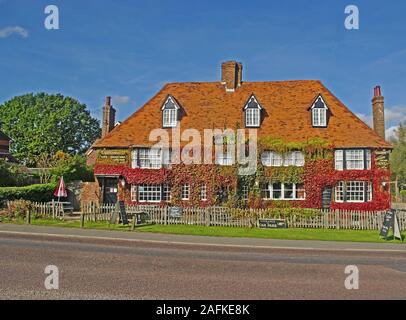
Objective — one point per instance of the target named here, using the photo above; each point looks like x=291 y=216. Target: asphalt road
x=115 y=269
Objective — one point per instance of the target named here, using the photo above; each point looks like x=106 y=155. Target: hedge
x=35 y=192
x=403 y=192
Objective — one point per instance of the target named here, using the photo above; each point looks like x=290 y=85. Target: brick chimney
x=231 y=75
x=109 y=117
x=378 y=112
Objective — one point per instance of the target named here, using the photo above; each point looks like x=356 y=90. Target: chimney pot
x=108 y=101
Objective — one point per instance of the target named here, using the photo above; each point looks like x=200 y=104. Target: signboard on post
x=272 y=224
x=391 y=221
x=175 y=212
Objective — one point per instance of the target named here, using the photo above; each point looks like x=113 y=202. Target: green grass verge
x=289 y=234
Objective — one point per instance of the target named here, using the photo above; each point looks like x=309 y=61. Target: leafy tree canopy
x=398 y=156
x=43 y=124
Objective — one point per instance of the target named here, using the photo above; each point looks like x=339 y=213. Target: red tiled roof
x=286 y=107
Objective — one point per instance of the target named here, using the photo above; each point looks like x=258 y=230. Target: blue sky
x=129 y=49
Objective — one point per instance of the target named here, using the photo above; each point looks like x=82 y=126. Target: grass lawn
x=290 y=234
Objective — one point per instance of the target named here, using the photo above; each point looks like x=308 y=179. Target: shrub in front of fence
x=17 y=209
x=34 y=193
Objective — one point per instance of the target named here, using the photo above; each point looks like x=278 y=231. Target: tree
x=71 y=168
x=398 y=156
x=43 y=124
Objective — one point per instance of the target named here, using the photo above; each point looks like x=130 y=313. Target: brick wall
x=90 y=192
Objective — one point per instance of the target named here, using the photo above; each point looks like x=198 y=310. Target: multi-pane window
x=169 y=118
x=185 y=191
x=275 y=159
x=149 y=193
x=339 y=192
x=295 y=158
x=319 y=113
x=339 y=159
x=203 y=192
x=283 y=191
x=133 y=193
x=252 y=113
x=353 y=191
x=166 y=193
x=252 y=117
x=225 y=159
x=353 y=159
x=153 y=158
x=319 y=117
x=169 y=113
x=245 y=192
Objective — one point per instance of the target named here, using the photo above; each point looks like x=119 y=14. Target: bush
x=403 y=193
x=17 y=209
x=34 y=193
x=71 y=168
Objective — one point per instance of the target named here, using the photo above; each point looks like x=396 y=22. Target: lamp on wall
x=122 y=181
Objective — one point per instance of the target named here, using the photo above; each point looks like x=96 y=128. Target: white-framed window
x=272 y=159
x=166 y=193
x=149 y=193
x=339 y=192
x=150 y=158
x=170 y=113
x=203 y=192
x=185 y=192
x=295 y=158
x=252 y=117
x=275 y=159
x=319 y=113
x=353 y=159
x=339 y=159
x=133 y=192
x=224 y=159
x=252 y=113
x=169 y=118
x=245 y=192
x=283 y=191
x=353 y=191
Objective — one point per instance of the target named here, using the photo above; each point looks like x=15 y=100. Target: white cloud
x=8 y=31
x=393 y=116
x=121 y=100
x=366 y=118
x=390 y=132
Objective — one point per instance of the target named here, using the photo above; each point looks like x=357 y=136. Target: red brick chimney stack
x=378 y=112
x=109 y=117
x=231 y=75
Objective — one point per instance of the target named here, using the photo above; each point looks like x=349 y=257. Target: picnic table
x=66 y=206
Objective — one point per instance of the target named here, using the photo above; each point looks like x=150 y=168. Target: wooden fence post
x=28 y=217
x=133 y=222
x=82 y=220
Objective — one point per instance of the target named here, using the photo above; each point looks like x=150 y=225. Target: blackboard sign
x=272 y=224
x=387 y=223
x=175 y=212
x=327 y=197
x=122 y=212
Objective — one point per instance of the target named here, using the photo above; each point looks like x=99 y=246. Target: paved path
x=129 y=265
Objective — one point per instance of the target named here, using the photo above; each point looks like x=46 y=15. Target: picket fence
x=43 y=209
x=222 y=216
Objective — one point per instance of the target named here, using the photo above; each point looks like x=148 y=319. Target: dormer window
x=319 y=113
x=252 y=113
x=170 y=113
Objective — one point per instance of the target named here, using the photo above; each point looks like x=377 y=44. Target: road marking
x=204 y=244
